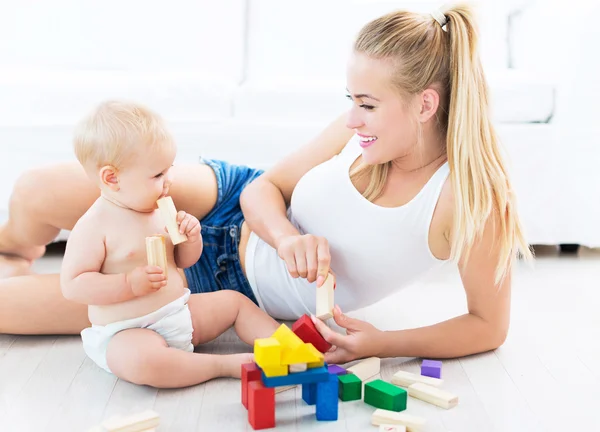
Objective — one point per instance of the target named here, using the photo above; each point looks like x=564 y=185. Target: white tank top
x=375 y=251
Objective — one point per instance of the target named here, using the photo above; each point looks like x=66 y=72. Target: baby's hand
x=188 y=225
x=146 y=280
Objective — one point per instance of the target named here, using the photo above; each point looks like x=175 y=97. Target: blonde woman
x=410 y=177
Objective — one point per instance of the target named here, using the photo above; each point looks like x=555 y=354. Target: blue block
x=327 y=399
x=310 y=376
x=309 y=393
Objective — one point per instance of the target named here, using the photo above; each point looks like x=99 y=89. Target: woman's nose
x=353 y=121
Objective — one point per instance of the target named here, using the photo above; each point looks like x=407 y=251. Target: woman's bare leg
x=44 y=201
x=35 y=305
x=48 y=199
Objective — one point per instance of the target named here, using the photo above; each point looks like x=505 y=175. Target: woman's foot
x=17 y=262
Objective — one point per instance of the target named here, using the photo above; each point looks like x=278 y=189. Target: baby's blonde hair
x=424 y=54
x=115 y=131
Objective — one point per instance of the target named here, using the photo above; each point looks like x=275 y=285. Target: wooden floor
x=544 y=378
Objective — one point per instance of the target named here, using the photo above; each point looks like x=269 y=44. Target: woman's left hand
x=361 y=339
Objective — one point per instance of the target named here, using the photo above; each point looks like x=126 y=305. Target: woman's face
x=386 y=124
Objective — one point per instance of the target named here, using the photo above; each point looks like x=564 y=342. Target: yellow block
x=305 y=353
x=274 y=371
x=320 y=363
x=267 y=352
x=287 y=338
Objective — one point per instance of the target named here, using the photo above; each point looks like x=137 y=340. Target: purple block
x=431 y=368
x=336 y=370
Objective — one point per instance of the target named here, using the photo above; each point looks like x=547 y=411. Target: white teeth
x=369 y=139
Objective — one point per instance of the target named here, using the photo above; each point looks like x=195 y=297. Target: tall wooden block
x=325 y=299
x=169 y=215
x=261 y=406
x=250 y=372
x=327 y=399
x=156 y=251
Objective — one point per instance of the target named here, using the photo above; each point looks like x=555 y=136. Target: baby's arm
x=188 y=252
x=80 y=277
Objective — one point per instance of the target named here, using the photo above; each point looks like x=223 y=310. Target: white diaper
x=172 y=321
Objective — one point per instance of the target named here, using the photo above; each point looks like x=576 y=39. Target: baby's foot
x=233 y=367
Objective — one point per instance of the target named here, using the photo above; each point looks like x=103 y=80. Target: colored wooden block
x=433 y=395
x=275 y=371
x=306 y=330
x=366 y=369
x=267 y=352
x=384 y=395
x=336 y=370
x=309 y=393
x=311 y=375
x=327 y=399
x=261 y=406
x=316 y=364
x=250 y=372
x=412 y=423
x=431 y=368
x=287 y=338
x=350 y=387
x=405 y=379
x=169 y=215
x=305 y=353
x=325 y=301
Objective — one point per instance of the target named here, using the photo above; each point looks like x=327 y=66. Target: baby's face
x=146 y=179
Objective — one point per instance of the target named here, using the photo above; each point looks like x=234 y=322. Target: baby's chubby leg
x=142 y=356
x=215 y=312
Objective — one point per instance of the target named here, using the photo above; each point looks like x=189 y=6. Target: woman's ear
x=429 y=103
x=109 y=177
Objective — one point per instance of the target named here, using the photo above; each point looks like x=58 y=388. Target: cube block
x=384 y=395
x=305 y=329
x=350 y=387
x=431 y=368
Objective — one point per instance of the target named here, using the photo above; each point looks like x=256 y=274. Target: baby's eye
x=158 y=175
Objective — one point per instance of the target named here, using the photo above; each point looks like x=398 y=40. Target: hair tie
x=440 y=18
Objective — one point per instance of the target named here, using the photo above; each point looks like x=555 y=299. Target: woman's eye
x=367 y=107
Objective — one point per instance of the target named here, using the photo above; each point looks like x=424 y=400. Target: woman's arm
x=484 y=328
x=265 y=200
x=264 y=203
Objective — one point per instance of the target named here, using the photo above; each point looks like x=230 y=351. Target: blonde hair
x=425 y=54
x=115 y=131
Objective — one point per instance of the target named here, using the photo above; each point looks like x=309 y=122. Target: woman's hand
x=306 y=256
x=361 y=339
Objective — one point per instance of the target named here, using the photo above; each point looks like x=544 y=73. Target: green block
x=386 y=396
x=350 y=387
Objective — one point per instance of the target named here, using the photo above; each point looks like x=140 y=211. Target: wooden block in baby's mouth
x=169 y=215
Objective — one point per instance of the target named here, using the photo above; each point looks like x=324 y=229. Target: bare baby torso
x=125 y=233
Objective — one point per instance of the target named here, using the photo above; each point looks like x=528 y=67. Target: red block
x=250 y=372
x=261 y=405
x=305 y=329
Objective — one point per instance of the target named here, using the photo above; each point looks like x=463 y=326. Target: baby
x=145 y=324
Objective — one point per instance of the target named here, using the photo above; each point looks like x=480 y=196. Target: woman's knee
x=28 y=185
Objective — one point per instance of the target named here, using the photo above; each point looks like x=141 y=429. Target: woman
x=409 y=178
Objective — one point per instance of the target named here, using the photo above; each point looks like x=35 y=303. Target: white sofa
x=250 y=80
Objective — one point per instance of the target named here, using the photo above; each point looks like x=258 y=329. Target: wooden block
x=156 y=250
x=431 y=368
x=325 y=302
x=275 y=371
x=267 y=352
x=381 y=394
x=135 y=423
x=405 y=379
x=366 y=369
x=412 y=423
x=305 y=353
x=349 y=387
x=298 y=367
x=327 y=399
x=250 y=372
x=306 y=330
x=169 y=215
x=433 y=395
x=261 y=406
x=287 y=338
x=392 y=428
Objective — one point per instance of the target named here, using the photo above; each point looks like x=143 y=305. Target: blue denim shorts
x=219 y=265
